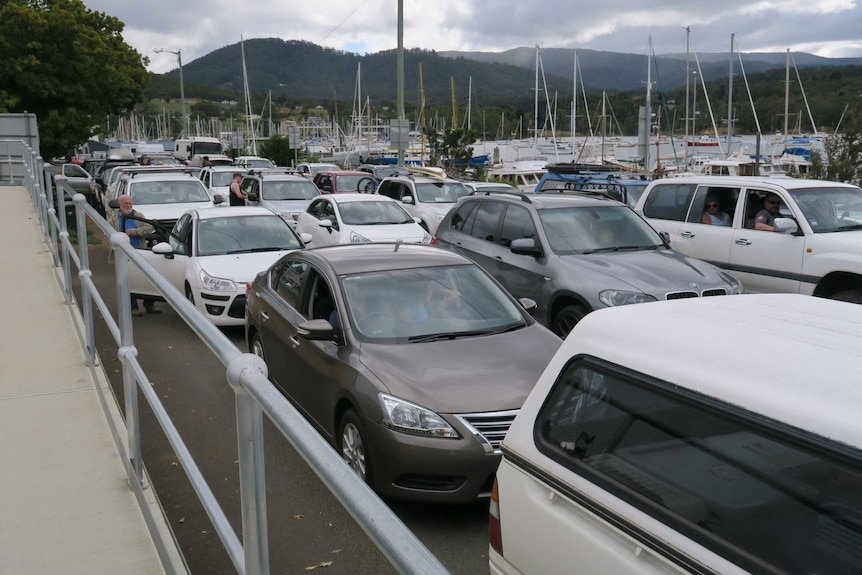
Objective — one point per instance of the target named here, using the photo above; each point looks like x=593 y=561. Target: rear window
x=669 y=201
x=767 y=497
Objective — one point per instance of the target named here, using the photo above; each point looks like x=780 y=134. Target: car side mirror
x=306 y=237
x=114 y=204
x=218 y=199
x=316 y=330
x=326 y=224
x=407 y=200
x=525 y=247
x=785 y=226
x=528 y=304
x=665 y=237
x=253 y=197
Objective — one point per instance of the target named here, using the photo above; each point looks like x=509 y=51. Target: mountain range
x=302 y=70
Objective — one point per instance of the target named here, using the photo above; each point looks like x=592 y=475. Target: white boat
x=522 y=174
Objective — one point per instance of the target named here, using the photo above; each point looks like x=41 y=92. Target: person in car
x=765 y=218
x=713 y=214
x=125 y=220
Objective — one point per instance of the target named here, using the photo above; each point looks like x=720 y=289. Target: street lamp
x=182 y=90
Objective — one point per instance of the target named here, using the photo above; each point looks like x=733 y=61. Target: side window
x=517 y=224
x=485 y=220
x=315 y=207
x=715 y=203
x=763 y=496
x=74 y=171
x=327 y=212
x=669 y=201
x=288 y=279
x=247 y=185
x=461 y=216
x=389 y=189
x=180 y=236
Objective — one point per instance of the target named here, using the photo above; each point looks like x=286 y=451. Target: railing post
x=127 y=348
x=84 y=271
x=252 y=471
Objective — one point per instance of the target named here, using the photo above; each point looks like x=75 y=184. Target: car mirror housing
x=785 y=226
x=665 y=237
x=316 y=330
x=528 y=304
x=525 y=246
x=407 y=200
x=306 y=237
x=253 y=197
x=163 y=248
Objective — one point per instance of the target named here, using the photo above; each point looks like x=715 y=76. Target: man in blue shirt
x=136 y=230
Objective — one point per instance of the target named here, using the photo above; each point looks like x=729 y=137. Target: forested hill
x=306 y=71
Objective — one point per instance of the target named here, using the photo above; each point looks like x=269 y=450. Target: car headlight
x=735 y=285
x=426 y=238
x=216 y=284
x=410 y=418
x=357 y=239
x=614 y=297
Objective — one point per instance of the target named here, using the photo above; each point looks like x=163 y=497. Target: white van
x=711 y=435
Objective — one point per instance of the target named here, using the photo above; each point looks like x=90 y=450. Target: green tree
x=278 y=149
x=843 y=156
x=452 y=149
x=67 y=64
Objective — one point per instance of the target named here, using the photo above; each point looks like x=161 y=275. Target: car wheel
x=850 y=295
x=256 y=347
x=568 y=317
x=189 y=295
x=353 y=450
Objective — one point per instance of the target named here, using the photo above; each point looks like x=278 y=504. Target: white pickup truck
x=811 y=245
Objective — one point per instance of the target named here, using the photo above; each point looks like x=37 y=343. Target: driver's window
x=179 y=237
x=327 y=212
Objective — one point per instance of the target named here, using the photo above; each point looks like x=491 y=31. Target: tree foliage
x=67 y=64
x=843 y=161
x=451 y=149
x=277 y=149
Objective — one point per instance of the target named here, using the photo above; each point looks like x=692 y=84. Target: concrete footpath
x=65 y=503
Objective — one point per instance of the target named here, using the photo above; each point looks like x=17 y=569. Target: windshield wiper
x=618 y=248
x=457 y=334
x=848 y=228
x=255 y=250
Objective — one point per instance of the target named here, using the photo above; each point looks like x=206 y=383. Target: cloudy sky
x=830 y=28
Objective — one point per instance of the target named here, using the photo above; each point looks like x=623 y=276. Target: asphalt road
x=308 y=527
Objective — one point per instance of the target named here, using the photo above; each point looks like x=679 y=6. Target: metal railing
x=245 y=373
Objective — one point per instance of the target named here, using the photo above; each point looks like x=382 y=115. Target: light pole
x=182 y=89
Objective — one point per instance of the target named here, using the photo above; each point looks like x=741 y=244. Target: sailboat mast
x=786 y=93
x=574 y=100
x=536 y=105
x=687 y=86
x=730 y=100
x=648 y=108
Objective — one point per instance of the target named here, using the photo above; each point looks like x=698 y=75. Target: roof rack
x=524 y=197
x=275 y=170
x=427 y=171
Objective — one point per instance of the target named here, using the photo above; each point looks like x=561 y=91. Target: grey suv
x=574 y=253
x=282 y=190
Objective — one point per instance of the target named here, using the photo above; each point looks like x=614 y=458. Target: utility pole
x=182 y=89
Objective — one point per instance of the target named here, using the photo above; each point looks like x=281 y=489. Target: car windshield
x=830 y=209
x=167 y=192
x=244 y=234
x=428 y=304
x=258 y=163
x=350 y=183
x=300 y=189
x=441 y=192
x=371 y=213
x=591 y=229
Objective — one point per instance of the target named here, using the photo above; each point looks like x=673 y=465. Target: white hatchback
x=708 y=435
x=212 y=254
x=359 y=219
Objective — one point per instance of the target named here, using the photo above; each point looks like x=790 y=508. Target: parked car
x=426 y=195
x=212 y=255
x=309 y=169
x=111 y=177
x=80 y=181
x=815 y=248
x=573 y=254
x=412 y=361
x=358 y=219
x=380 y=171
x=217 y=179
x=345 y=181
x=716 y=435
x=251 y=162
x=282 y=191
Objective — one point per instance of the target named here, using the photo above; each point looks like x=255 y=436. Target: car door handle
x=294 y=340
x=264 y=316
x=743 y=242
x=687 y=234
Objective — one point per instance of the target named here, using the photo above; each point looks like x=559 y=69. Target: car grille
x=489 y=427
x=688 y=294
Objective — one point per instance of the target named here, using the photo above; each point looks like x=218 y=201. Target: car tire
x=352 y=446
x=255 y=346
x=850 y=295
x=567 y=318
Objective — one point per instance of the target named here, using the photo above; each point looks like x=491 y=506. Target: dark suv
x=573 y=253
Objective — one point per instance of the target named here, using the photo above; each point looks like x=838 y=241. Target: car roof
x=790 y=357
x=748 y=181
x=346 y=259
x=357 y=197
x=229 y=211
x=174 y=176
x=338 y=173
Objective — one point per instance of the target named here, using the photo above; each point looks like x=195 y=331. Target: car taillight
x=434 y=240
x=495 y=536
